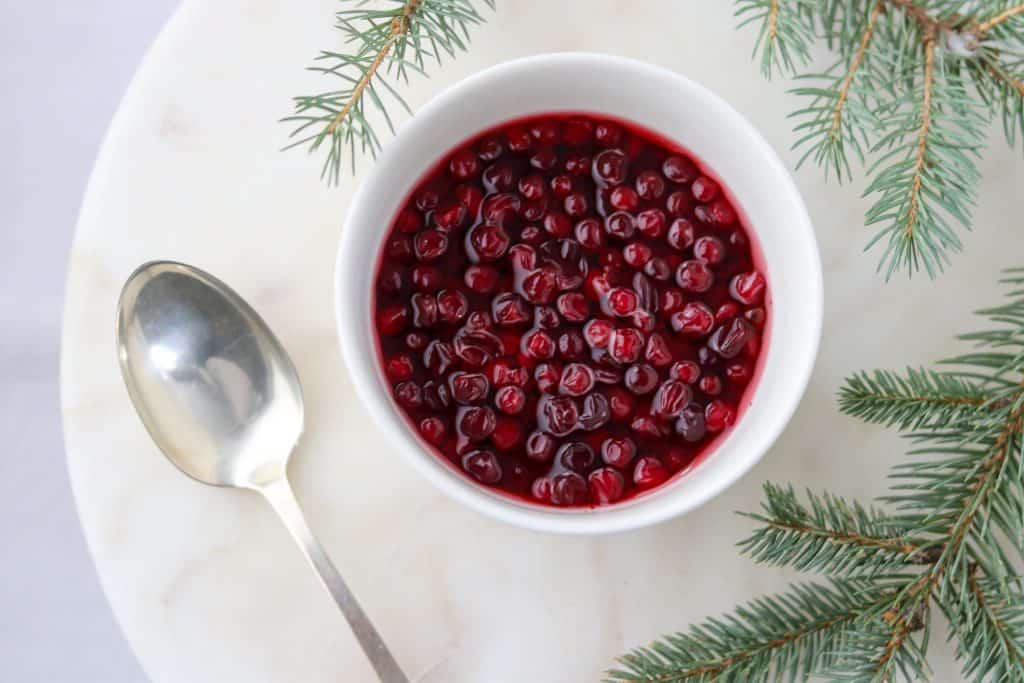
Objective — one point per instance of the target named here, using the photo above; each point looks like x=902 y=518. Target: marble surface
x=206 y=583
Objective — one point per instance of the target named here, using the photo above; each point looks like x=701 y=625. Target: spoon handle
x=280 y=495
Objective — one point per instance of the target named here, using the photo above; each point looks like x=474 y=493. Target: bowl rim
x=646 y=510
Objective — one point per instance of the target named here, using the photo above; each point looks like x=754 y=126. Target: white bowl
x=678 y=109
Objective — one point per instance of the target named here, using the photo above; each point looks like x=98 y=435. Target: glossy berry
x=694 y=276
x=695 y=320
x=433 y=429
x=606 y=486
x=483 y=466
x=641 y=378
x=649 y=472
x=510 y=399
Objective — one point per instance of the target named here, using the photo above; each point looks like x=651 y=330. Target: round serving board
x=206 y=583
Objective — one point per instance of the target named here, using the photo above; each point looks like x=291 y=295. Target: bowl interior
x=681 y=111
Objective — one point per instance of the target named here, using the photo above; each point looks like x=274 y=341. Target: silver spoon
x=221 y=398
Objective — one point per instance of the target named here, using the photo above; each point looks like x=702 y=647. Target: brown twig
x=773 y=18
x=1006 y=78
x=986 y=26
x=895 y=545
x=922 y=135
x=844 y=88
x=399 y=26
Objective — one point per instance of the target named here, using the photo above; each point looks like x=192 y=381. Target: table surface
x=206 y=583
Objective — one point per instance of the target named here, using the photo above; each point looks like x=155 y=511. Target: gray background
x=63 y=68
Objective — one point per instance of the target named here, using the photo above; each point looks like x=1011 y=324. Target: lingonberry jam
x=569 y=309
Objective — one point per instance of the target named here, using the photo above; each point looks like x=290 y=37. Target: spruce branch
x=383 y=45
x=950 y=536
x=913 y=89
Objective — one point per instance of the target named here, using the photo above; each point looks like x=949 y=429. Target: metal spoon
x=221 y=398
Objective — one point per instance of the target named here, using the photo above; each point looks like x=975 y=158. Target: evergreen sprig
x=382 y=45
x=910 y=93
x=949 y=537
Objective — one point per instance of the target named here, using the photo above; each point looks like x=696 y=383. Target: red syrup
x=570 y=310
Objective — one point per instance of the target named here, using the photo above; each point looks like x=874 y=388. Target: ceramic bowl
x=680 y=110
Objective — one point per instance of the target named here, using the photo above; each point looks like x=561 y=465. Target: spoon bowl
x=213 y=386
x=221 y=398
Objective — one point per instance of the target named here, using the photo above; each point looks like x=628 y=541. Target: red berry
x=409 y=394
x=510 y=399
x=608 y=134
x=509 y=309
x=490 y=149
x=468 y=387
x=657 y=352
x=532 y=186
x=433 y=429
x=573 y=307
x=483 y=466
x=571 y=345
x=704 y=189
x=670 y=399
x=618 y=451
x=409 y=221
x=507 y=434
x=561 y=185
x=577 y=380
x=557 y=224
x=481 y=279
x=641 y=378
x=695 y=320
x=557 y=414
x=540 y=286
x=518 y=139
x=727 y=311
x=476 y=423
x=624 y=198
x=685 y=371
x=649 y=472
x=610 y=167
x=650 y=185
x=578 y=164
x=540 y=447
x=537 y=344
x=606 y=486
x=575 y=204
x=709 y=249
x=589 y=233
x=547 y=376
x=677 y=204
x=748 y=288
x=625 y=345
x=464 y=165
x=694 y=276
x=620 y=301
x=399 y=368
x=430 y=244
x=427 y=278
x=621 y=404
x=598 y=333
x=544 y=159
x=450 y=215
x=679 y=169
x=452 y=305
x=680 y=234
x=620 y=224
x=424 y=310
x=718 y=415
x=671 y=300
x=651 y=223
x=711 y=385
x=438 y=357
x=393 y=320
x=579 y=131
x=575 y=455
x=569 y=488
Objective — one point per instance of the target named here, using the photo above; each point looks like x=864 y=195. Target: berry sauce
x=570 y=310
